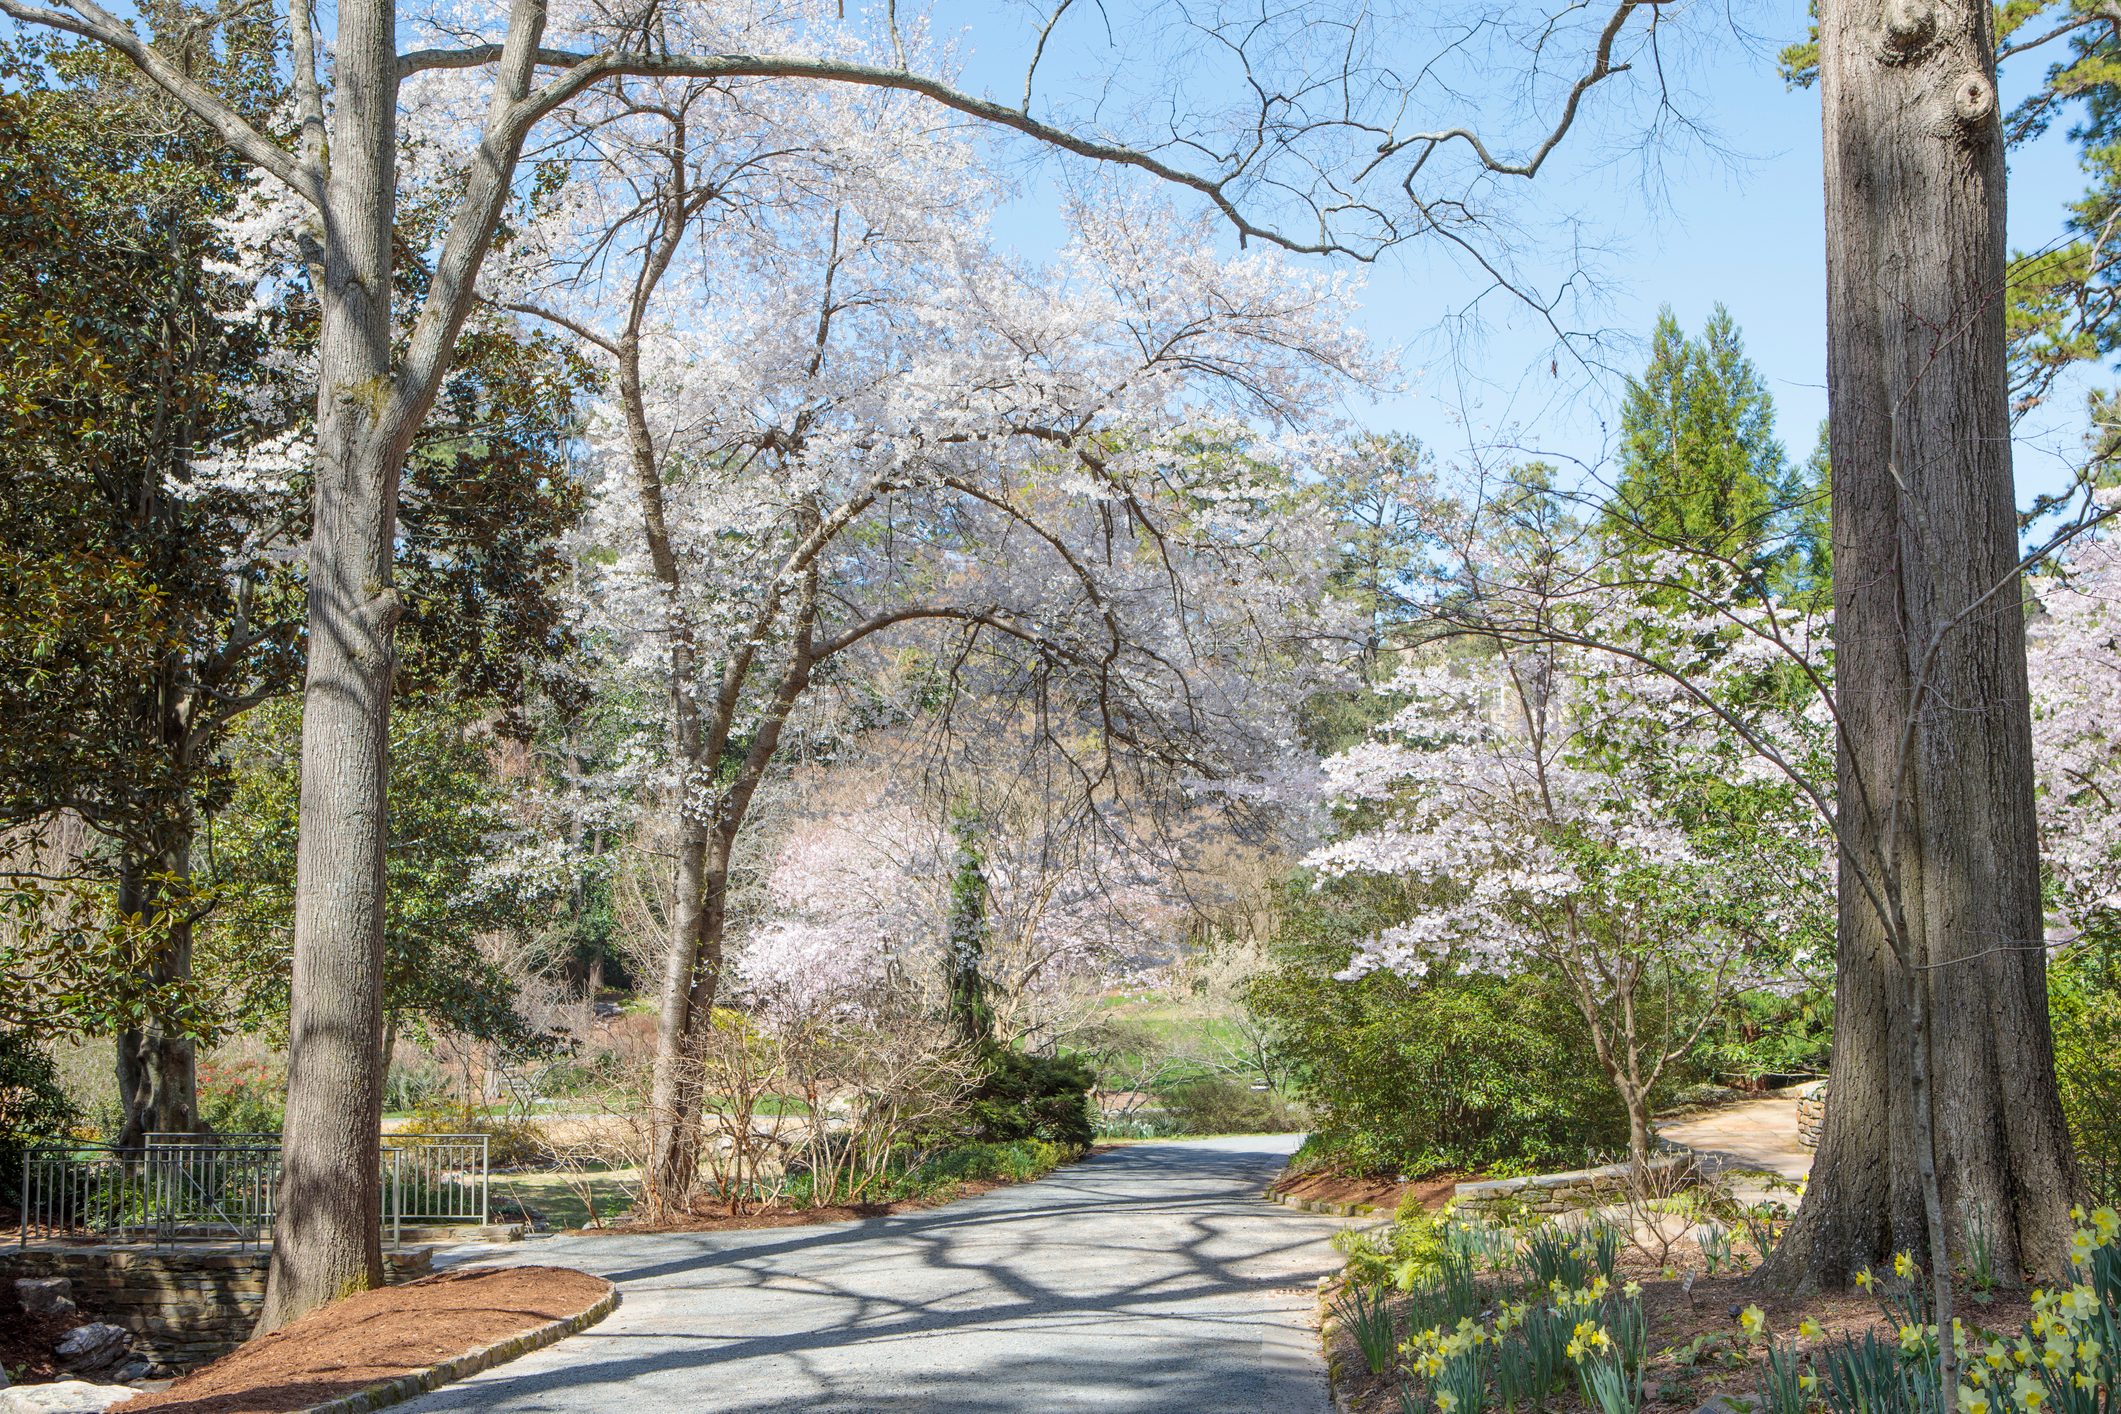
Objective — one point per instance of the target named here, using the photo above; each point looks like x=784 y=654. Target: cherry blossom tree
x=1079 y=480
x=2073 y=661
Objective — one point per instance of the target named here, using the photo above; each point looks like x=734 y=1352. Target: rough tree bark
x=328 y=1239
x=1937 y=830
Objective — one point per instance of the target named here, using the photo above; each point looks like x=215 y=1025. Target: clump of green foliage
x=1025 y=1096
x=1455 y=1072
x=33 y=1107
x=2084 y=999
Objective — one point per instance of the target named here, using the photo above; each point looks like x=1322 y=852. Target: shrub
x=510 y=1142
x=241 y=1097
x=1018 y=1161
x=1218 y=1106
x=32 y=1106
x=1470 y=1072
x=1023 y=1096
x=2084 y=997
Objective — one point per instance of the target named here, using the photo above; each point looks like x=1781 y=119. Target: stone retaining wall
x=184 y=1305
x=1547 y=1193
x=1811 y=1114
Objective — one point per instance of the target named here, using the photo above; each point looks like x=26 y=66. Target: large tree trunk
x=1939 y=854
x=328 y=1242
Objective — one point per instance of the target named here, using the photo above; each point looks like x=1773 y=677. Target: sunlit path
x=1150 y=1278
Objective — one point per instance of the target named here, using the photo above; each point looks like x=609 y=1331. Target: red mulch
x=26 y=1341
x=1383 y=1194
x=377 y=1335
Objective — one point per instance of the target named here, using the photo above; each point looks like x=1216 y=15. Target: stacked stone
x=1547 y=1194
x=179 y=1307
x=1811 y=1113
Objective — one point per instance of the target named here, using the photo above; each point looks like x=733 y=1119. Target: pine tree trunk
x=327 y=1242
x=1935 y=774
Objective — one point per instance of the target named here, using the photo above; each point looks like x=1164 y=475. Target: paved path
x=1759 y=1133
x=1153 y=1277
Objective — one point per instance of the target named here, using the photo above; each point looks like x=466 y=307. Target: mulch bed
x=377 y=1335
x=1696 y=1347
x=26 y=1341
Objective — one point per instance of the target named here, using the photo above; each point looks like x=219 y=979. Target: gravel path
x=1153 y=1277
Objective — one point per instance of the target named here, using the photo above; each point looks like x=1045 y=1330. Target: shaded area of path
x=1758 y=1133
x=1153 y=1277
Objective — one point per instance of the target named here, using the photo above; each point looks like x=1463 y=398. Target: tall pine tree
x=1701 y=469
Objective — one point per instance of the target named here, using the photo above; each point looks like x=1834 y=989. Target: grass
x=557 y=1195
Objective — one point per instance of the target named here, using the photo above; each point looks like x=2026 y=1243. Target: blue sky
x=1740 y=224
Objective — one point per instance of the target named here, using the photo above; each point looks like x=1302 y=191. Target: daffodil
x=1808 y=1381
x=1972 y=1401
x=1446 y=1402
x=1809 y=1329
x=2031 y=1394
x=1863 y=1278
x=1754 y=1320
x=1903 y=1265
x=1910 y=1339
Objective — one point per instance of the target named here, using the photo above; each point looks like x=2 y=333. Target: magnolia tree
x=895 y=453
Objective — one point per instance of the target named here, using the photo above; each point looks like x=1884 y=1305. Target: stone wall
x=1549 y=1193
x=1811 y=1113
x=184 y=1305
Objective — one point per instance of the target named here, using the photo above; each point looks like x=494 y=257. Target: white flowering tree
x=894 y=453
x=1559 y=812
x=2073 y=661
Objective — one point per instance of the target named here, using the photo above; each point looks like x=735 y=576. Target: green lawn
x=560 y=1198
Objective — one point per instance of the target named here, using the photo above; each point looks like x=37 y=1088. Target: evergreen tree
x=1701 y=469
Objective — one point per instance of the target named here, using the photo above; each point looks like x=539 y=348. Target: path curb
x=419 y=1382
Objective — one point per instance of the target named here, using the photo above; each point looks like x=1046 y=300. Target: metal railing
x=223 y=1187
x=164 y=1194
x=434 y=1178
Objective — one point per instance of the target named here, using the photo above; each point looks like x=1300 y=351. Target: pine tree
x=1701 y=469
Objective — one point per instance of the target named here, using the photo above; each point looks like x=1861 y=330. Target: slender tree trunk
x=1940 y=923
x=158 y=1064
x=674 y=1092
x=327 y=1242
x=964 y=951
